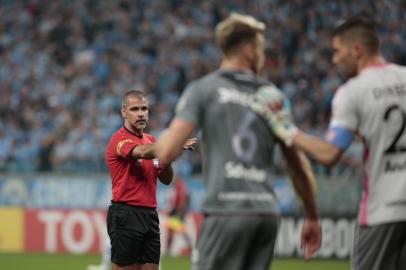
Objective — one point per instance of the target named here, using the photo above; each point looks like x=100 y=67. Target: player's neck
x=235 y=64
x=374 y=61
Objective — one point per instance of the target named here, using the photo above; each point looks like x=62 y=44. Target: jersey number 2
x=394 y=147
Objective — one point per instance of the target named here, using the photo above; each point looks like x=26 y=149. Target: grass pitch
x=36 y=261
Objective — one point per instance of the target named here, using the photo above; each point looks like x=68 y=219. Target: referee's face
x=135 y=113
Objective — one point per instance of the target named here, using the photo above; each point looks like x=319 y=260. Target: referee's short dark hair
x=135 y=93
x=359 y=28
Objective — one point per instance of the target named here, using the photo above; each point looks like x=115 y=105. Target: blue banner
x=94 y=192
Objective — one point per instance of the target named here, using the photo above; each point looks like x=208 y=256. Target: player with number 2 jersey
x=372 y=105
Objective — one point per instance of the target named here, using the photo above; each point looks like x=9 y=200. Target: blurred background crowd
x=66 y=64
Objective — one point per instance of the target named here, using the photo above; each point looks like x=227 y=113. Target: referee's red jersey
x=133 y=181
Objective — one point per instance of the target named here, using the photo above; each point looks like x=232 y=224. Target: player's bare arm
x=147 y=151
x=143 y=151
x=318 y=149
x=303 y=180
x=169 y=146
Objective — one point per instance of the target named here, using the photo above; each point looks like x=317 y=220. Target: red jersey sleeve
x=125 y=146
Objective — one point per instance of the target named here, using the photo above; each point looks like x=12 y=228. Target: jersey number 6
x=245 y=141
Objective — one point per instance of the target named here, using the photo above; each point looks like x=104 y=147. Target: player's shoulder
x=397 y=68
x=203 y=82
x=368 y=77
x=348 y=91
x=352 y=83
x=353 y=86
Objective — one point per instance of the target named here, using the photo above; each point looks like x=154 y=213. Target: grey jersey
x=373 y=104
x=237 y=143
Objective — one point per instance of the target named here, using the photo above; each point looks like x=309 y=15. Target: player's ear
x=248 y=50
x=358 y=50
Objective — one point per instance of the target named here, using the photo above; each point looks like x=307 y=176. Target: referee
x=132 y=219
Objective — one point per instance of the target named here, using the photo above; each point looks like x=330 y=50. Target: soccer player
x=372 y=105
x=241 y=216
x=132 y=219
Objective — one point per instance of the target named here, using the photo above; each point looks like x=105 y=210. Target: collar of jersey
x=129 y=131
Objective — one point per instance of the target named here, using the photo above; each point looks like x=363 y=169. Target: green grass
x=298 y=264
x=278 y=264
x=35 y=261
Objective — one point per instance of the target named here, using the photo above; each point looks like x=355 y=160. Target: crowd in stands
x=66 y=64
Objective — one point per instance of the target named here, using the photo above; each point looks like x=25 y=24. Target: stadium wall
x=67 y=214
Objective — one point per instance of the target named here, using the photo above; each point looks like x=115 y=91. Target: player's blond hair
x=235 y=30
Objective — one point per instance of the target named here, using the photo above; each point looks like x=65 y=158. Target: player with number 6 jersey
x=241 y=215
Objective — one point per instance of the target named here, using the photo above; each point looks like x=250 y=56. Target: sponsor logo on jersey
x=229 y=95
x=239 y=171
x=392 y=166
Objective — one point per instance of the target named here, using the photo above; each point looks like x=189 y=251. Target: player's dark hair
x=361 y=28
x=132 y=94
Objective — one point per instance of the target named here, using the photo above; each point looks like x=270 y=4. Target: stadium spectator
x=241 y=217
x=372 y=105
x=110 y=46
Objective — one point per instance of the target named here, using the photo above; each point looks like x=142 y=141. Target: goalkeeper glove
x=275 y=108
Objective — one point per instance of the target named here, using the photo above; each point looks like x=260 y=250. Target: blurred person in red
x=178 y=207
x=132 y=219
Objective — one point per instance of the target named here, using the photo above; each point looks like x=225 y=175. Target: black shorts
x=380 y=247
x=134 y=234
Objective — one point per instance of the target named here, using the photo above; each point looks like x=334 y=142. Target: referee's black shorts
x=134 y=234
